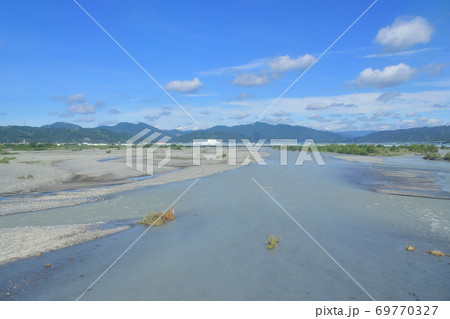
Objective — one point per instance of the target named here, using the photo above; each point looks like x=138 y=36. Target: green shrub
x=272 y=241
x=4 y=160
x=108 y=151
x=432 y=156
x=446 y=157
x=175 y=147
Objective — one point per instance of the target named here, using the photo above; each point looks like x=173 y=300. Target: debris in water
x=410 y=248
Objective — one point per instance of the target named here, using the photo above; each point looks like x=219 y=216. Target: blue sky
x=225 y=63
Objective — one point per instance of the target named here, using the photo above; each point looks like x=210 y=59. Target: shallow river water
x=215 y=249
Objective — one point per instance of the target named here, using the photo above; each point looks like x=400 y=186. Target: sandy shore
x=394 y=180
x=360 y=158
x=93 y=174
x=23 y=242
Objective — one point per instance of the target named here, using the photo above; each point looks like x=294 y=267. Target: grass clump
x=5 y=160
x=25 y=177
x=159 y=218
x=437 y=253
x=272 y=241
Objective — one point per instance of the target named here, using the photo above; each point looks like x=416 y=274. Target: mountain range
x=61 y=132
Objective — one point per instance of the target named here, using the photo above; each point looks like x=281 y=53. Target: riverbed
x=215 y=248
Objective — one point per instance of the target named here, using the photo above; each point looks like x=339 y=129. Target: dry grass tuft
x=436 y=253
x=158 y=219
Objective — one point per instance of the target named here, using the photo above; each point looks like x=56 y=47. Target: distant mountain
x=419 y=134
x=62 y=125
x=16 y=134
x=353 y=134
x=61 y=132
x=132 y=129
x=260 y=131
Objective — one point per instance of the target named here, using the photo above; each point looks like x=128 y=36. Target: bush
x=432 y=156
x=175 y=147
x=158 y=219
x=108 y=151
x=446 y=157
x=272 y=241
x=5 y=160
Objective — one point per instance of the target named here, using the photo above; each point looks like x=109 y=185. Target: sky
x=197 y=64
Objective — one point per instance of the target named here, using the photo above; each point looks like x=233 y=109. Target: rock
x=38 y=255
x=47 y=265
x=8 y=294
x=70 y=258
x=410 y=248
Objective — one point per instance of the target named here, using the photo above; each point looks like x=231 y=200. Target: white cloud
x=240 y=116
x=54 y=112
x=390 y=76
x=71 y=99
x=285 y=63
x=281 y=113
x=74 y=99
x=401 y=53
x=342 y=105
x=404 y=33
x=114 y=110
x=152 y=117
x=165 y=113
x=314 y=117
x=433 y=69
x=251 y=79
x=278 y=120
x=252 y=65
x=411 y=114
x=317 y=106
x=100 y=104
x=82 y=108
x=421 y=122
x=440 y=105
x=388 y=96
x=184 y=86
x=243 y=96
x=204 y=112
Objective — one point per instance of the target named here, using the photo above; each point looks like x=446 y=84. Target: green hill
x=261 y=131
x=418 y=134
